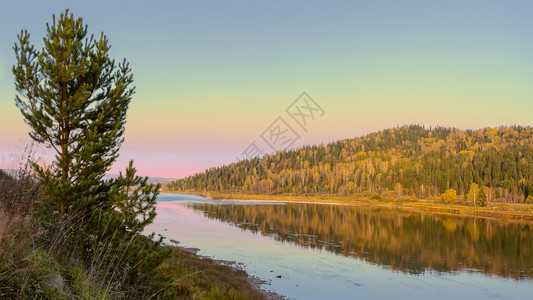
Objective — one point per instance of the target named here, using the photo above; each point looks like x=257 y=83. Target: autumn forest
x=403 y=163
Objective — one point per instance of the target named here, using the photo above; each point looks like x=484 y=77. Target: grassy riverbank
x=196 y=277
x=29 y=271
x=515 y=211
x=40 y=259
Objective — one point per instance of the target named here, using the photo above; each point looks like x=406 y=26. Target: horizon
x=171 y=178
x=211 y=77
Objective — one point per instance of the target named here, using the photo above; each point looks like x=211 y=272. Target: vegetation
x=202 y=278
x=449 y=196
x=75 y=98
x=409 y=161
x=40 y=260
x=65 y=232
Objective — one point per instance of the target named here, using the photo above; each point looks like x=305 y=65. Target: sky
x=215 y=78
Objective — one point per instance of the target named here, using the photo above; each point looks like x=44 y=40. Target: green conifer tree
x=482 y=196
x=75 y=97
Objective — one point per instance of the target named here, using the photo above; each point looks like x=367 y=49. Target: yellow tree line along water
x=398 y=163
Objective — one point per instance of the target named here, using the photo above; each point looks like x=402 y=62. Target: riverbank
x=498 y=210
x=200 y=277
x=40 y=259
x=29 y=269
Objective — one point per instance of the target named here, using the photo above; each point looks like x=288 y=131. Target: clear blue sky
x=212 y=75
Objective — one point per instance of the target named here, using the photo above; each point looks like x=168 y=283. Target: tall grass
x=36 y=245
x=45 y=255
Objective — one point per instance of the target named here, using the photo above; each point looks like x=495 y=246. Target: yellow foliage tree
x=449 y=196
x=473 y=194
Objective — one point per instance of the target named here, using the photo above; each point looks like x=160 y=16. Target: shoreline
x=255 y=283
x=501 y=211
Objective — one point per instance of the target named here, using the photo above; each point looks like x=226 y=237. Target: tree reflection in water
x=408 y=241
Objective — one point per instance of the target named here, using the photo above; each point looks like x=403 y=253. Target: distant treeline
x=409 y=161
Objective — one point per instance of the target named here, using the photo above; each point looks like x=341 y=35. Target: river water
x=322 y=251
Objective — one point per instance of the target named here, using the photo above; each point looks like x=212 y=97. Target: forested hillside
x=409 y=161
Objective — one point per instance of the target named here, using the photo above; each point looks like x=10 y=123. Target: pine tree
x=482 y=196
x=133 y=199
x=75 y=97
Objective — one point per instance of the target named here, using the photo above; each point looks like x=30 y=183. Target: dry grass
x=202 y=278
x=31 y=251
x=34 y=249
x=18 y=231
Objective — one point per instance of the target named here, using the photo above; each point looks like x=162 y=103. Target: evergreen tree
x=133 y=199
x=482 y=196
x=75 y=98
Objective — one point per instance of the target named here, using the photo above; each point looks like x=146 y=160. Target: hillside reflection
x=409 y=242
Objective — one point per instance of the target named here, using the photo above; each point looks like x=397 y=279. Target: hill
x=150 y=179
x=408 y=161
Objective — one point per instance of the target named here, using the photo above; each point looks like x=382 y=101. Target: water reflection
x=410 y=242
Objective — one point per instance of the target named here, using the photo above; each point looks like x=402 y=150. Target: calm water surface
x=347 y=252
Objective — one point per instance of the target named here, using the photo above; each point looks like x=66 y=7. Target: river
x=323 y=251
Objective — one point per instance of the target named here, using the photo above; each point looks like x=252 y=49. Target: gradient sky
x=211 y=76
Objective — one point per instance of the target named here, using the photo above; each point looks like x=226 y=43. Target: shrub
x=388 y=195
x=405 y=199
x=375 y=196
